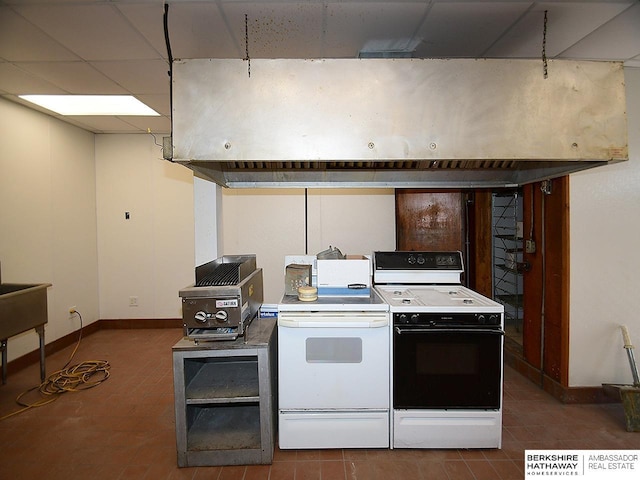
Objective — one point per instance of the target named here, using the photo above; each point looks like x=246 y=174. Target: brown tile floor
x=124 y=428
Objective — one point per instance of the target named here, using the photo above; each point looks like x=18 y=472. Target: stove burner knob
x=411 y=260
x=200 y=317
x=221 y=316
x=421 y=260
x=403 y=318
x=414 y=318
x=481 y=319
x=494 y=320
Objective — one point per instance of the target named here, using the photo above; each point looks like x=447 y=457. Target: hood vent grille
x=378 y=165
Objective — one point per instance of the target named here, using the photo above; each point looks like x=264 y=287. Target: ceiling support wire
x=545 y=69
x=246 y=44
x=513 y=25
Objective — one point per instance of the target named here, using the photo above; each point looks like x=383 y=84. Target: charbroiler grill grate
x=224 y=300
x=224 y=274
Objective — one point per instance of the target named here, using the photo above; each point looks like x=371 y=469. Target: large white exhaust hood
x=415 y=123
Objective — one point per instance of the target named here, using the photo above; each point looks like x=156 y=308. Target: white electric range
x=446 y=353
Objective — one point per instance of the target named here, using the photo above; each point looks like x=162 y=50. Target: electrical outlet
x=72 y=310
x=530 y=246
x=133 y=301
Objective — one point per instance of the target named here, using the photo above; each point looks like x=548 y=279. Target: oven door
x=331 y=360
x=447 y=368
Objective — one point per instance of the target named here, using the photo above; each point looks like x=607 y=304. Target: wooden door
x=429 y=220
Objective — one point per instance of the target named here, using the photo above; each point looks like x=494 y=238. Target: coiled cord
x=82 y=376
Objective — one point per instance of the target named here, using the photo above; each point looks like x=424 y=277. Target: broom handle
x=629 y=348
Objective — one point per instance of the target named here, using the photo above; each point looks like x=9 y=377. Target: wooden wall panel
x=546 y=285
x=480 y=260
x=532 y=303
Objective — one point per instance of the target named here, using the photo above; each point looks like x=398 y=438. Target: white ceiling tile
x=159 y=126
x=276 y=30
x=353 y=26
x=465 y=29
x=196 y=30
x=138 y=76
x=20 y=41
x=148 y=18
x=103 y=124
x=619 y=38
x=567 y=23
x=93 y=32
x=20 y=82
x=159 y=103
x=74 y=77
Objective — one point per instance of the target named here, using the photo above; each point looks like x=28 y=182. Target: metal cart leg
x=40 y=330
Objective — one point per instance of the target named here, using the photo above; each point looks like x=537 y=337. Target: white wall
x=271 y=224
x=605 y=260
x=48 y=217
x=151 y=255
x=207 y=215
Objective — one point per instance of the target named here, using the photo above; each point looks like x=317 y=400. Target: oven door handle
x=333 y=322
x=401 y=331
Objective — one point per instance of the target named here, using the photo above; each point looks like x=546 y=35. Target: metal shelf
x=219 y=381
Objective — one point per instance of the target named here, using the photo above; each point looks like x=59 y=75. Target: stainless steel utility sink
x=7 y=288
x=22 y=307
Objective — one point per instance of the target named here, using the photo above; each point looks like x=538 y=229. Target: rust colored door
x=429 y=220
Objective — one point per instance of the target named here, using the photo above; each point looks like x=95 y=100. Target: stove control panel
x=418 y=260
x=201 y=312
x=431 y=319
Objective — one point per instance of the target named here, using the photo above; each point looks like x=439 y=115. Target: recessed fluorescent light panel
x=91 y=104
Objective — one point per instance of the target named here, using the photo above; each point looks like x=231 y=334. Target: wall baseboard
x=139 y=323
x=568 y=395
x=70 y=339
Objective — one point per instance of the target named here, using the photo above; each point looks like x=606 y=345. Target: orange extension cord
x=81 y=376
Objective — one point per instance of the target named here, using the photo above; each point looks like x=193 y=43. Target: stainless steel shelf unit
x=225 y=399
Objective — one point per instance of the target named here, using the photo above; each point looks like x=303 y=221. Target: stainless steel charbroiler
x=224 y=299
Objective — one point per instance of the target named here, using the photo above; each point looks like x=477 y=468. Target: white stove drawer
x=333 y=429
x=447 y=428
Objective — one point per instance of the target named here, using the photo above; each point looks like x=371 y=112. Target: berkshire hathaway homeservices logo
x=583 y=464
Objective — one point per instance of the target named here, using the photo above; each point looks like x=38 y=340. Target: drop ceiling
x=119 y=47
